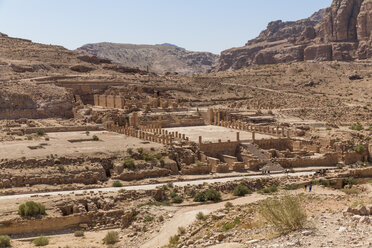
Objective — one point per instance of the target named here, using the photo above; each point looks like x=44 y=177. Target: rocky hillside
x=341 y=32
x=159 y=58
x=25 y=67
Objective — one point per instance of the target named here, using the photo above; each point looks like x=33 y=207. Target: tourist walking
x=310 y=187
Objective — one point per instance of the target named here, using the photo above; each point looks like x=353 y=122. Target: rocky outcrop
x=157 y=58
x=342 y=32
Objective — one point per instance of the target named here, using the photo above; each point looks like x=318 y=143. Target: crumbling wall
x=330 y=159
x=217 y=149
x=48 y=224
x=277 y=144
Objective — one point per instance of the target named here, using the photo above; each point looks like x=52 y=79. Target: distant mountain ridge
x=342 y=32
x=160 y=58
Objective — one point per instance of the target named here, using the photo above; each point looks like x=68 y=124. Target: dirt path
x=151 y=186
x=186 y=216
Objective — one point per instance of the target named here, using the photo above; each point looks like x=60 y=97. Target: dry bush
x=284 y=213
x=111 y=238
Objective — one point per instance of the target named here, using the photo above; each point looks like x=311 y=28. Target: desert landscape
x=122 y=145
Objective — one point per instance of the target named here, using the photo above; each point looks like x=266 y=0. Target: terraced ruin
x=104 y=155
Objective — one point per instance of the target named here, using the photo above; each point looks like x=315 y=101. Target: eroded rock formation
x=341 y=32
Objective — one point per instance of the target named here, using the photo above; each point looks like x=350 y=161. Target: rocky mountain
x=161 y=58
x=341 y=32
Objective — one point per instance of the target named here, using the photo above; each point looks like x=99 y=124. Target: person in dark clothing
x=310 y=187
x=305 y=187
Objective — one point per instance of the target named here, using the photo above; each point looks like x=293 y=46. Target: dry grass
x=285 y=213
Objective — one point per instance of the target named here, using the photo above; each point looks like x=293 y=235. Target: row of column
x=278 y=131
x=153 y=133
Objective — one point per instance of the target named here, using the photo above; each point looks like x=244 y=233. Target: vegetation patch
x=111 y=238
x=41 y=241
x=208 y=195
x=285 y=213
x=31 y=209
x=241 y=190
x=4 y=241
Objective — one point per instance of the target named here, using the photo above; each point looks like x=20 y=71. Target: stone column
x=237 y=136
x=200 y=140
x=253 y=136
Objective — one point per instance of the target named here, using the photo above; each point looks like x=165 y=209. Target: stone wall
x=137 y=175
x=277 y=144
x=330 y=159
x=48 y=224
x=31 y=130
x=217 y=149
x=196 y=170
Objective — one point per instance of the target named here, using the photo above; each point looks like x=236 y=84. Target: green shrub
x=121 y=191
x=230 y=225
x=290 y=187
x=79 y=233
x=181 y=230
x=291 y=170
x=270 y=112
x=46 y=138
x=228 y=205
x=356 y=126
x=323 y=182
x=4 y=241
x=241 y=190
x=129 y=163
x=359 y=149
x=95 y=138
x=174 y=240
x=87 y=133
x=285 y=213
x=130 y=151
x=152 y=149
x=201 y=216
x=213 y=195
x=348 y=181
x=31 y=209
x=269 y=190
x=40 y=132
x=117 y=184
x=41 y=241
x=200 y=197
x=111 y=238
x=149 y=218
x=208 y=195
x=177 y=199
x=148 y=157
x=140 y=150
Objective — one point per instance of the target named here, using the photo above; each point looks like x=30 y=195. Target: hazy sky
x=199 y=25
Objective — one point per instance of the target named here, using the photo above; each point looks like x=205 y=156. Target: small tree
x=95 y=138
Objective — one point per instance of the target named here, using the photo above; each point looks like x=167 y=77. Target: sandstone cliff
x=159 y=58
x=340 y=32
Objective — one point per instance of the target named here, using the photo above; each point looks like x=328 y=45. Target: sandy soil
x=58 y=144
x=214 y=133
